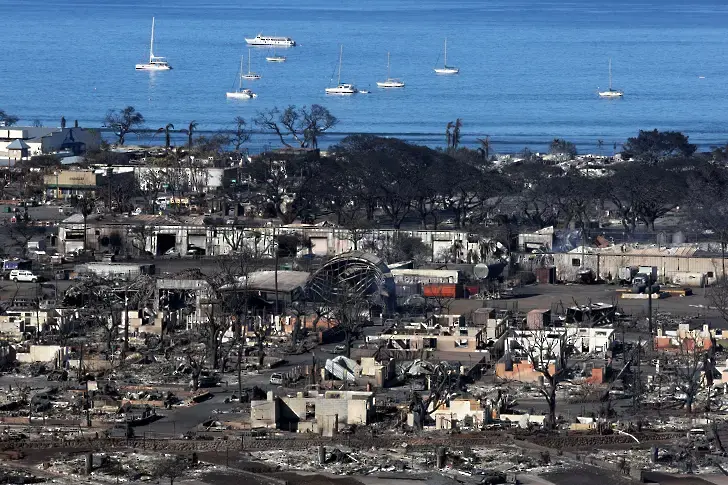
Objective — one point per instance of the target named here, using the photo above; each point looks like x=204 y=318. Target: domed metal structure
x=355 y=273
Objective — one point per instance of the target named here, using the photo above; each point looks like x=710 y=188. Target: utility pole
x=637 y=385
x=126 y=320
x=649 y=310
x=275 y=271
x=109 y=171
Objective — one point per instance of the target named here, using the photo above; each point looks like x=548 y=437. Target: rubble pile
x=342 y=460
x=679 y=457
x=126 y=466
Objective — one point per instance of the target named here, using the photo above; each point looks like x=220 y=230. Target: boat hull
x=342 y=89
x=611 y=94
x=270 y=43
x=251 y=77
x=275 y=59
x=241 y=95
x=152 y=67
x=390 y=84
x=447 y=70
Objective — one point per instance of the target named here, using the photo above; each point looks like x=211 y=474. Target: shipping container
x=545 y=276
x=537 y=319
x=442 y=290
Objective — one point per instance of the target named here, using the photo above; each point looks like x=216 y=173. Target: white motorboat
x=445 y=69
x=155 y=63
x=390 y=82
x=276 y=58
x=341 y=88
x=264 y=40
x=611 y=93
x=241 y=93
x=250 y=75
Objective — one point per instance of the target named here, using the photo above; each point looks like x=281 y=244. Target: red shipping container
x=442 y=290
x=546 y=276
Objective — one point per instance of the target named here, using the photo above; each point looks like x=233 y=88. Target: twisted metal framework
x=353 y=274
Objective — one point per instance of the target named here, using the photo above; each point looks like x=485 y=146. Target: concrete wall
x=42 y=353
x=349 y=407
x=329 y=240
x=264 y=414
x=521 y=372
x=668 y=267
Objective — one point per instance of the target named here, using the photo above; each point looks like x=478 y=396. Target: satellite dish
x=481 y=271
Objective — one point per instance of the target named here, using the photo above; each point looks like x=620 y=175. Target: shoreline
x=507 y=144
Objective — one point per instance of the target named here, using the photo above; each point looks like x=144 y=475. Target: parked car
x=23 y=275
x=195 y=251
x=340 y=349
x=276 y=379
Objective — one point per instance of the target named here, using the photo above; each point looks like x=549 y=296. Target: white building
x=550 y=342
x=45 y=140
x=196 y=179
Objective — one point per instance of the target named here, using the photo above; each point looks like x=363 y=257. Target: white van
x=23 y=275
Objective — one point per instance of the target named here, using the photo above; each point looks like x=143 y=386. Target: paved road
x=554 y=296
x=180 y=420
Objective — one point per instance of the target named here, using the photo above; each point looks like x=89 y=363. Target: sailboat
x=250 y=74
x=445 y=69
x=155 y=63
x=611 y=93
x=275 y=58
x=341 y=88
x=390 y=82
x=241 y=93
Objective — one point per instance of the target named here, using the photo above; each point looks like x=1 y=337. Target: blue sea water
x=529 y=68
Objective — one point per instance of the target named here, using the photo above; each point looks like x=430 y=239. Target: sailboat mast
x=388 y=73
x=445 y=51
x=240 y=75
x=248 y=61
x=610 y=73
x=341 y=55
x=151 y=44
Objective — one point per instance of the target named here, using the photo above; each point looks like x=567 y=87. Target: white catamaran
x=445 y=69
x=155 y=63
x=390 y=82
x=241 y=93
x=611 y=93
x=341 y=88
x=250 y=74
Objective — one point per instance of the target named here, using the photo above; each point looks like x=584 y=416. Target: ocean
x=529 y=69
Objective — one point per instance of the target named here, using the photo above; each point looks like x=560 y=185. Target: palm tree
x=166 y=130
x=190 y=130
x=456 y=133
x=86 y=206
x=448 y=134
x=600 y=146
x=485 y=147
